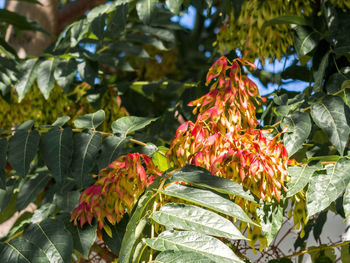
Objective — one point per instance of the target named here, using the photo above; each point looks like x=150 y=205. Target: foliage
x=211 y=181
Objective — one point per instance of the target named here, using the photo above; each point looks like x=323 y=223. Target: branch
x=73 y=10
x=307 y=251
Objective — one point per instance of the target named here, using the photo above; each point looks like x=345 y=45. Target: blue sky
x=187 y=20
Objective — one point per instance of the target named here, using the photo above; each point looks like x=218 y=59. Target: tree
x=138 y=141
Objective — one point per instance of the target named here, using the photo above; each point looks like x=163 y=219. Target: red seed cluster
x=116 y=190
x=224 y=138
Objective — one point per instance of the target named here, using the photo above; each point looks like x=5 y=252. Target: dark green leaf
x=193 y=218
x=299 y=128
x=91 y=120
x=202 y=178
x=145 y=9
x=324 y=188
x=300 y=176
x=195 y=242
x=119 y=17
x=67 y=202
x=207 y=199
x=118 y=231
x=171 y=256
x=22 y=150
x=320 y=221
x=30 y=190
x=7 y=202
x=52 y=238
x=86 y=147
x=88 y=71
x=296 y=72
x=46 y=81
x=331 y=116
x=98 y=25
x=83 y=238
x=21 y=251
x=19 y=21
x=28 y=73
x=3 y=153
x=56 y=148
x=319 y=67
x=111 y=149
x=129 y=124
x=144 y=39
x=305 y=40
x=174 y=5
x=295 y=20
x=65 y=72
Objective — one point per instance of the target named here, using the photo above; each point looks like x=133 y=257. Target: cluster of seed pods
x=224 y=138
x=116 y=190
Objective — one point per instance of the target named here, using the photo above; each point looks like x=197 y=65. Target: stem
x=317 y=249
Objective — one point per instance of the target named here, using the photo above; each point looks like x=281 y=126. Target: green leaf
x=21 y=251
x=88 y=71
x=56 y=148
x=126 y=125
x=346 y=201
x=31 y=189
x=171 y=256
x=160 y=161
x=26 y=125
x=324 y=188
x=137 y=223
x=118 y=231
x=67 y=202
x=207 y=199
x=46 y=80
x=300 y=177
x=196 y=242
x=145 y=9
x=305 y=40
x=61 y=121
x=299 y=128
x=28 y=72
x=91 y=120
x=65 y=72
x=98 y=25
x=193 y=218
x=345 y=253
x=294 y=20
x=319 y=67
x=83 y=238
x=271 y=219
x=330 y=116
x=86 y=147
x=111 y=150
x=43 y=212
x=119 y=17
x=52 y=238
x=19 y=21
x=22 y=150
x=203 y=178
x=174 y=5
x=3 y=153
